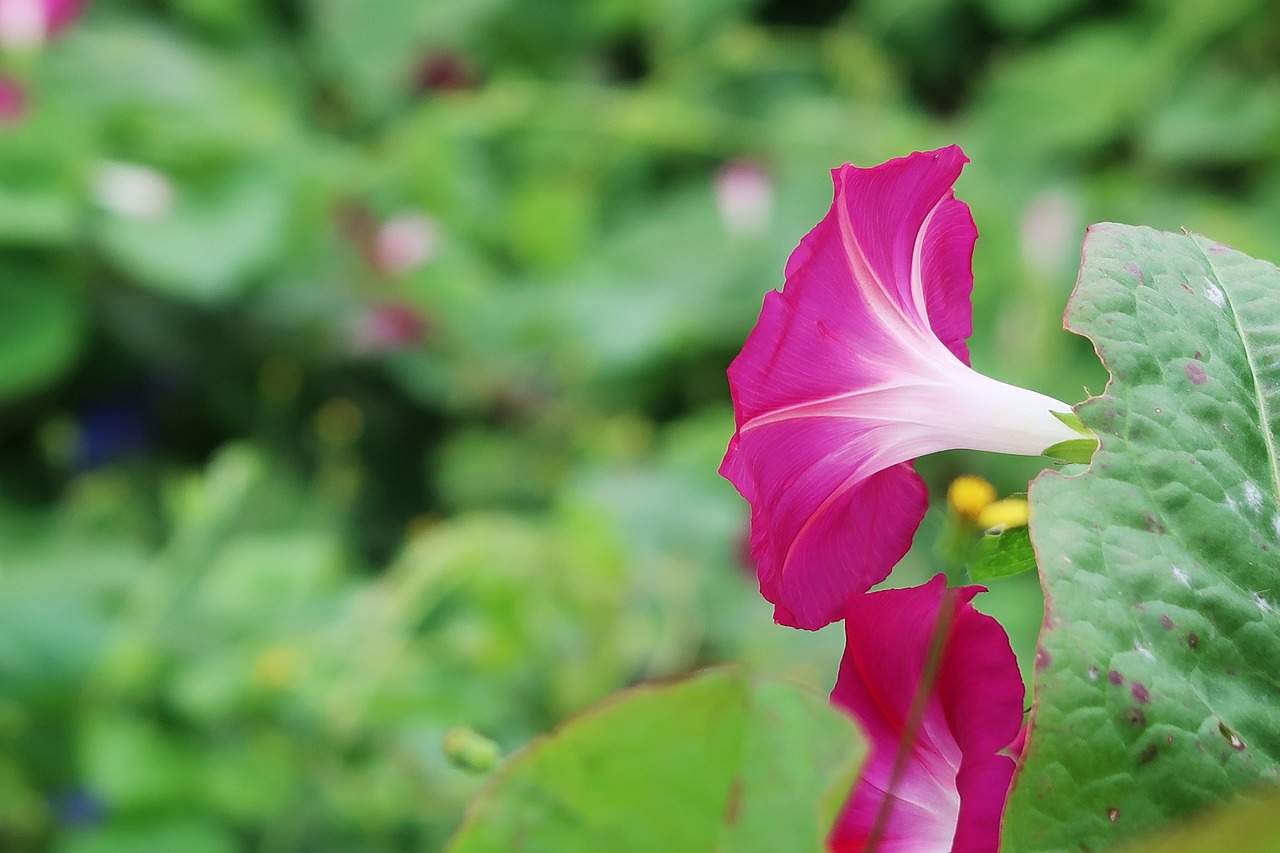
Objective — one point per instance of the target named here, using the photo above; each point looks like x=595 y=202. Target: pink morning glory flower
x=949 y=792
x=28 y=24
x=855 y=368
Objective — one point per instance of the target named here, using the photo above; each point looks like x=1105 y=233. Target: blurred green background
x=362 y=363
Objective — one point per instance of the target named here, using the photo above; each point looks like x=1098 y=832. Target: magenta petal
x=916 y=237
x=951 y=792
x=984 y=786
x=830 y=515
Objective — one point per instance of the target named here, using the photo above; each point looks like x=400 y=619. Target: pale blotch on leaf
x=1252 y=496
x=1214 y=294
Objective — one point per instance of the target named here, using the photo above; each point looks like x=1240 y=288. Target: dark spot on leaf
x=1148 y=755
x=1115 y=677
x=1113 y=814
x=1187 y=287
x=1133 y=270
x=1199 y=357
x=1093 y=673
x=1230 y=736
x=1196 y=373
x=1153 y=524
x=1165 y=622
x=1043 y=658
x=1134 y=716
x=1193 y=640
x=1139 y=691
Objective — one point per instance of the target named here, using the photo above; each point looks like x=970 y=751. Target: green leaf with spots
x=1159 y=674
x=1250 y=826
x=715 y=763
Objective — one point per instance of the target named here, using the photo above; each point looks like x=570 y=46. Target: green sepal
x=1002 y=552
x=1072 y=420
x=1075 y=450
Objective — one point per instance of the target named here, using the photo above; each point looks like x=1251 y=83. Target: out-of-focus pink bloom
x=13 y=101
x=949 y=792
x=132 y=190
x=855 y=368
x=28 y=24
x=388 y=327
x=446 y=72
x=404 y=243
x=744 y=196
x=1049 y=231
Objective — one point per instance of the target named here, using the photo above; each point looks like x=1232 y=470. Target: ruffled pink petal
x=850 y=286
x=951 y=792
x=916 y=237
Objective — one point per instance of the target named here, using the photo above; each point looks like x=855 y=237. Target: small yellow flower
x=969 y=495
x=1010 y=512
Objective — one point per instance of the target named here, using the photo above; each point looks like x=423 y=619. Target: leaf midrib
x=1263 y=409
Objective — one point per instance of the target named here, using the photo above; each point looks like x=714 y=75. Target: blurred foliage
x=362 y=363
x=715 y=761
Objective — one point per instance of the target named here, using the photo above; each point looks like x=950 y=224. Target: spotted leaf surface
x=1159 y=670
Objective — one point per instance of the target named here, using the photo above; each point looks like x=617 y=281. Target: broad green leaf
x=715 y=762
x=158 y=835
x=1251 y=825
x=210 y=246
x=1157 y=689
x=1002 y=552
x=41 y=322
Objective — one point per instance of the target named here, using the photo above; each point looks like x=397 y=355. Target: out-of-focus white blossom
x=132 y=191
